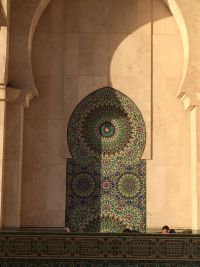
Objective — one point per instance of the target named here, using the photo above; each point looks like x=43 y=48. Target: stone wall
x=132 y=46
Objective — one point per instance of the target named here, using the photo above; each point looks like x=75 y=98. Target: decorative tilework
x=58 y=248
x=106 y=177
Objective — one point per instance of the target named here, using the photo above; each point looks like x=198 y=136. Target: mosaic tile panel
x=106 y=177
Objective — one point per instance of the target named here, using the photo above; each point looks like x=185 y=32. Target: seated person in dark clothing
x=172 y=231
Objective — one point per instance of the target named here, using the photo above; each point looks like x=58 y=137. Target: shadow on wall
x=106 y=180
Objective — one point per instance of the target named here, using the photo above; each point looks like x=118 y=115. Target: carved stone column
x=12 y=164
x=3 y=79
x=20 y=75
x=2 y=130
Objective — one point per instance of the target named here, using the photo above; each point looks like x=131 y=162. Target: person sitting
x=165 y=229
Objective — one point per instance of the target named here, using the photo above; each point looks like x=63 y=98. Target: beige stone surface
x=168 y=174
x=57 y=135
x=12 y=135
x=43 y=66
x=35 y=181
x=4 y=18
x=71 y=54
x=3 y=54
x=163 y=23
x=168 y=45
x=56 y=187
x=43 y=218
x=13 y=165
x=195 y=167
x=57 y=16
x=56 y=100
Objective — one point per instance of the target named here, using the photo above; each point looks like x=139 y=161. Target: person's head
x=165 y=229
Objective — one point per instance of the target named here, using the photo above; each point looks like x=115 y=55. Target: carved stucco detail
x=24 y=80
x=28 y=95
x=186 y=14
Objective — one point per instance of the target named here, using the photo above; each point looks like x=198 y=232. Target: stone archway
x=175 y=7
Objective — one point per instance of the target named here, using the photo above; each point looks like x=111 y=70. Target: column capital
x=17 y=95
x=8 y=94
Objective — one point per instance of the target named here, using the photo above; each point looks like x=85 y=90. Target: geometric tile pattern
x=106 y=179
x=22 y=249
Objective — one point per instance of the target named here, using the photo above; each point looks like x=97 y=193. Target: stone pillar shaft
x=3 y=80
x=2 y=131
x=195 y=167
x=13 y=165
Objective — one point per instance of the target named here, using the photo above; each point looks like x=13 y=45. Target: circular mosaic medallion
x=107 y=129
x=83 y=185
x=129 y=185
x=106 y=124
x=107 y=133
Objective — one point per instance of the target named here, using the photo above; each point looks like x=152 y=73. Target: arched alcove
x=69 y=63
x=106 y=178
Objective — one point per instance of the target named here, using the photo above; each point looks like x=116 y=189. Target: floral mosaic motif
x=129 y=185
x=105 y=177
x=123 y=194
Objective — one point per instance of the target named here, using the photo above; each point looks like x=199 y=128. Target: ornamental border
x=71 y=246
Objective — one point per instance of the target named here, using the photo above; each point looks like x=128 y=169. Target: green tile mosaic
x=106 y=177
